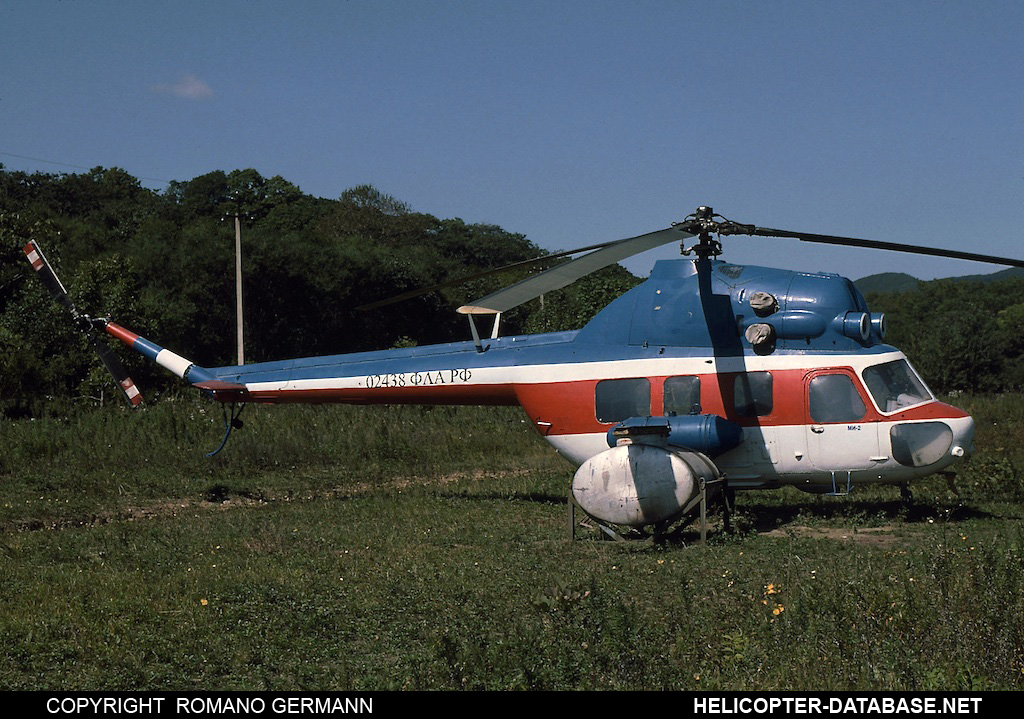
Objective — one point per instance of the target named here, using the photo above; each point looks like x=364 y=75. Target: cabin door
x=840 y=435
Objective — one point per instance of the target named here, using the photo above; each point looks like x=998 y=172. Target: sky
x=571 y=122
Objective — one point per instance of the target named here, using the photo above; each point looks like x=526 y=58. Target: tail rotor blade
x=48 y=276
x=117 y=370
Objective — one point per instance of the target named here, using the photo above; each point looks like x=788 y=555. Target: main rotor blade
x=567 y=273
x=894 y=246
x=477 y=275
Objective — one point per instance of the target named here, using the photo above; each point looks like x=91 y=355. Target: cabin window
x=752 y=392
x=619 y=399
x=834 y=398
x=894 y=385
x=682 y=395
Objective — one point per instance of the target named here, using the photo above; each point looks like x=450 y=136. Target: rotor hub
x=708 y=228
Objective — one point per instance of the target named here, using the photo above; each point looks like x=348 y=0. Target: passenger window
x=619 y=399
x=753 y=394
x=834 y=398
x=682 y=395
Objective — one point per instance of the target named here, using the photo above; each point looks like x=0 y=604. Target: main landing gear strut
x=695 y=509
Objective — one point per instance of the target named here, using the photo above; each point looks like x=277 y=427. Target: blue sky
x=571 y=122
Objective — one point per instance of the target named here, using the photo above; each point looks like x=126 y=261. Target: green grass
x=389 y=548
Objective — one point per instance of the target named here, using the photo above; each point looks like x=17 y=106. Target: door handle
x=817 y=428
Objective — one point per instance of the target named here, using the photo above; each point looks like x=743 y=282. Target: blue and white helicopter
x=708 y=374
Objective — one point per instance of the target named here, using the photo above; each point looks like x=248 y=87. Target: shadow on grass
x=766 y=517
x=755 y=516
x=822 y=519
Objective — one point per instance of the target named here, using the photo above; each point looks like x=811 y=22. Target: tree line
x=961 y=335
x=162 y=265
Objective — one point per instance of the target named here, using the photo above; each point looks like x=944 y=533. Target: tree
x=163 y=266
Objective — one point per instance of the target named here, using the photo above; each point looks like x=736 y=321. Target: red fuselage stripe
x=561 y=404
x=568 y=407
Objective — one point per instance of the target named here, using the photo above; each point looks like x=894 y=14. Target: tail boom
x=175 y=363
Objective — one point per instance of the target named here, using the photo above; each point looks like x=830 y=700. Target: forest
x=162 y=264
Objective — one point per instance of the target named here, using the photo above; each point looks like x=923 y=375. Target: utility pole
x=238 y=286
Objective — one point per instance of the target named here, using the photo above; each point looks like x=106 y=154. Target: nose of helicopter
x=963 y=436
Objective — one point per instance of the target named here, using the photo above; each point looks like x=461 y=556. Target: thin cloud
x=189 y=87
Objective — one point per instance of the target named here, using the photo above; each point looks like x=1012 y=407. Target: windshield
x=894 y=385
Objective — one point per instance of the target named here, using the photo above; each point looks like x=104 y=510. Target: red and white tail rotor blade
x=48 y=276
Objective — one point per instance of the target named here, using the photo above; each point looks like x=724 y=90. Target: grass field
x=415 y=548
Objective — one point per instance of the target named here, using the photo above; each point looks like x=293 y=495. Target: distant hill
x=902 y=282
x=1007 y=274
x=887 y=282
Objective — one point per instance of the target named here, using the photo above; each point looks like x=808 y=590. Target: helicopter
x=708 y=376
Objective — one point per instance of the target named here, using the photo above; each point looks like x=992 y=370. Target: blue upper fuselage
x=676 y=312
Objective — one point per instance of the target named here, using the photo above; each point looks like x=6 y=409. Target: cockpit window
x=894 y=385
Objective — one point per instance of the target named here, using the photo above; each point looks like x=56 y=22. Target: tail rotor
x=83 y=322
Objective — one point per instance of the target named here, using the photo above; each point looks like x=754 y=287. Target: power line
x=77 y=167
